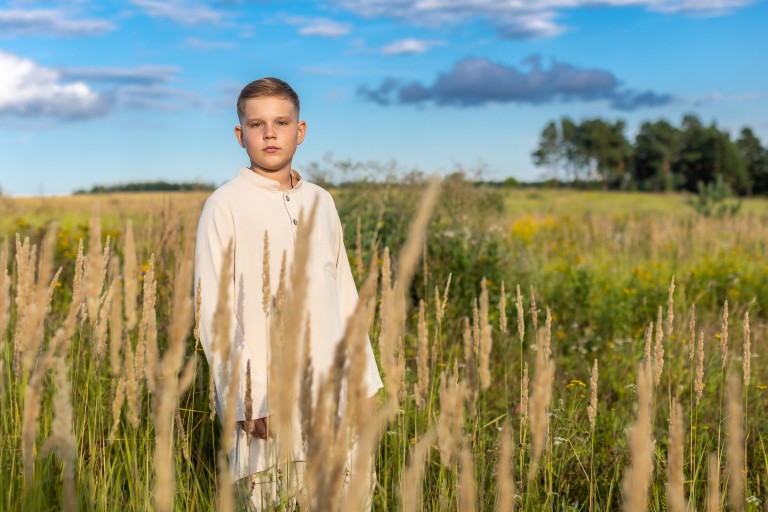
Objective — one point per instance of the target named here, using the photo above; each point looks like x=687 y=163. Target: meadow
x=541 y=350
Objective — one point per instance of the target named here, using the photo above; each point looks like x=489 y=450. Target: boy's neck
x=284 y=177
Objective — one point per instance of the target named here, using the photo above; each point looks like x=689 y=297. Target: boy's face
x=270 y=131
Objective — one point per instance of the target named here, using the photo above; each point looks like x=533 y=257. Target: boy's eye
x=255 y=125
x=283 y=123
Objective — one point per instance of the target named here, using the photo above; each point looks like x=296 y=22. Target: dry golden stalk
x=658 y=350
x=211 y=396
x=248 y=401
x=713 y=484
x=363 y=425
x=286 y=337
x=547 y=345
x=327 y=443
x=534 y=314
x=115 y=329
x=62 y=437
x=475 y=328
x=198 y=298
x=386 y=272
x=168 y=386
x=746 y=364
x=450 y=423
x=524 y=402
x=147 y=311
x=359 y=251
x=724 y=334
x=132 y=387
x=638 y=475
x=5 y=298
x=130 y=274
x=266 y=287
x=592 y=408
x=422 y=368
x=394 y=307
x=225 y=501
x=470 y=367
x=400 y=373
x=467 y=490
x=486 y=340
x=692 y=335
x=541 y=397
x=503 y=310
x=647 y=361
x=30 y=423
x=183 y=441
x=505 y=477
x=117 y=405
x=305 y=388
x=38 y=308
x=445 y=296
x=698 y=383
x=413 y=476
x=95 y=266
x=670 y=307
x=735 y=443
x=675 y=477
x=520 y=317
x=77 y=283
x=28 y=315
x=100 y=341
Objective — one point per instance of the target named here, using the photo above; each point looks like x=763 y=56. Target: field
x=541 y=350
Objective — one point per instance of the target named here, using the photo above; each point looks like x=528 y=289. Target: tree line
x=662 y=157
x=148 y=186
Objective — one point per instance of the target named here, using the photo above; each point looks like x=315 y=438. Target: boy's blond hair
x=268 y=86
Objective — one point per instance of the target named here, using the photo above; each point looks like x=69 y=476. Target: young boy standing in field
x=269 y=197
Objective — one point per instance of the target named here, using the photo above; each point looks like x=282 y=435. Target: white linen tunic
x=241 y=211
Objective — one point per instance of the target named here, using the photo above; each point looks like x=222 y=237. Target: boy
x=268 y=197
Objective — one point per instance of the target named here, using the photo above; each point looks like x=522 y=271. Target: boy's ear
x=302 y=127
x=239 y=135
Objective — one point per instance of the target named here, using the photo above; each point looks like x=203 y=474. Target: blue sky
x=109 y=92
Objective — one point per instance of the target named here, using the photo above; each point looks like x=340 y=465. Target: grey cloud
x=48 y=22
x=479 y=81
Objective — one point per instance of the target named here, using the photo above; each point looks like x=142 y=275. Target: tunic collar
x=260 y=181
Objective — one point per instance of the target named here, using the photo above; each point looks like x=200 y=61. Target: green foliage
x=148 y=186
x=662 y=158
x=713 y=200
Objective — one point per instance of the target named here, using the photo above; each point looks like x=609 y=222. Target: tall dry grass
x=136 y=432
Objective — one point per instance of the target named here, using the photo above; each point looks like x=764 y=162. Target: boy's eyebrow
x=252 y=119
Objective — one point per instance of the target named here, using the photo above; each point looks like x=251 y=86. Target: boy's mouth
x=270 y=149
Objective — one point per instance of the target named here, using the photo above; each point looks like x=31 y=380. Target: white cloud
x=184 y=13
x=206 y=45
x=48 y=22
x=321 y=27
x=409 y=46
x=27 y=89
x=520 y=18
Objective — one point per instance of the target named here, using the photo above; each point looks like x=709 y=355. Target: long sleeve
x=215 y=231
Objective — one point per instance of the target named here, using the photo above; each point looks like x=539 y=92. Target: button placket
x=292 y=215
